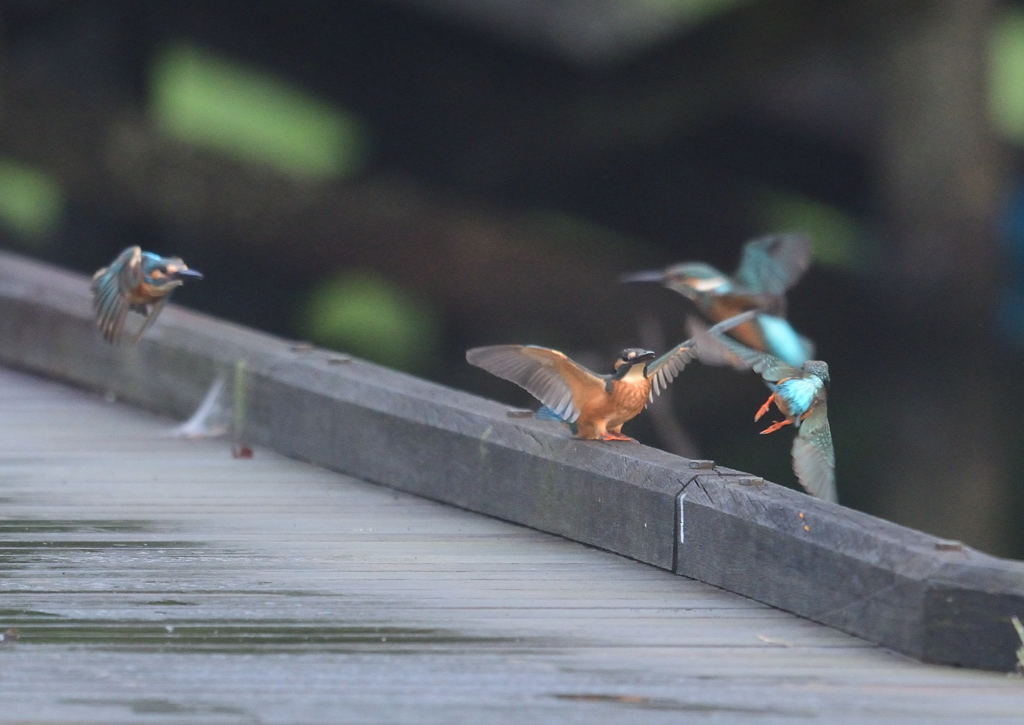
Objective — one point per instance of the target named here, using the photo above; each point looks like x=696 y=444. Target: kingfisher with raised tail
x=800 y=394
x=770 y=265
x=595 y=405
x=138 y=281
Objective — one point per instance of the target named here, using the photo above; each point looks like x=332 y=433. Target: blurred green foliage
x=1006 y=82
x=30 y=201
x=228 y=106
x=362 y=313
x=837 y=239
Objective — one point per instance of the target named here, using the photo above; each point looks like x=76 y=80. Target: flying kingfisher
x=800 y=395
x=595 y=405
x=770 y=265
x=138 y=281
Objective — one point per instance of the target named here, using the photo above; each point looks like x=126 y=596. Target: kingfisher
x=594 y=405
x=769 y=266
x=138 y=281
x=800 y=394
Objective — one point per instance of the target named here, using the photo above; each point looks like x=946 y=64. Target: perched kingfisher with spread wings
x=800 y=394
x=138 y=281
x=596 y=405
x=770 y=265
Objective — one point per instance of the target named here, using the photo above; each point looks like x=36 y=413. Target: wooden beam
x=933 y=599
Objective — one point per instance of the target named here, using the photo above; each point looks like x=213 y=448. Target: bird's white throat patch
x=635 y=374
x=706 y=284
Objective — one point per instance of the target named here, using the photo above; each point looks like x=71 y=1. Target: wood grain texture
x=886 y=583
x=158 y=579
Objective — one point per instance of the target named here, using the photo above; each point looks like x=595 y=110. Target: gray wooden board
x=158 y=579
x=886 y=583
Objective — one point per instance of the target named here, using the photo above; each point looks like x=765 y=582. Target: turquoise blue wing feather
x=769 y=367
x=782 y=341
x=808 y=347
x=771 y=265
x=799 y=394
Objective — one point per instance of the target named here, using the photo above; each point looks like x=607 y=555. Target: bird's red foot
x=615 y=437
x=775 y=426
x=764 y=408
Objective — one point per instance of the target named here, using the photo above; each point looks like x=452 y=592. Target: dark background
x=404 y=179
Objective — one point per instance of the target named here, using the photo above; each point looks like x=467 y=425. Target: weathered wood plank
x=883 y=582
x=155 y=579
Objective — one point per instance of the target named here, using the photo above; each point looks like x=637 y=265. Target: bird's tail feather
x=546 y=413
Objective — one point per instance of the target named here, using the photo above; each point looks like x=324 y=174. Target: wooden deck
x=156 y=579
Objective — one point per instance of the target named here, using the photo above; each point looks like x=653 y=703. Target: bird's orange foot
x=616 y=437
x=775 y=426
x=764 y=408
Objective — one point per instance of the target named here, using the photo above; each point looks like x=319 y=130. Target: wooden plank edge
x=931 y=599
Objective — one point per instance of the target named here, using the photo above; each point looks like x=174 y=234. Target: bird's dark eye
x=162 y=269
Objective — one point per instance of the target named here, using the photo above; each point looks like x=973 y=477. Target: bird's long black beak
x=650 y=275
x=646 y=357
x=191 y=273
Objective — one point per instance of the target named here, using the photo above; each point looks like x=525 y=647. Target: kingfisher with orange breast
x=596 y=405
x=769 y=266
x=136 y=281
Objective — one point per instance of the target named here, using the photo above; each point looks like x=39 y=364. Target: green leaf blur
x=836 y=236
x=30 y=201
x=368 y=316
x=1006 y=75
x=234 y=109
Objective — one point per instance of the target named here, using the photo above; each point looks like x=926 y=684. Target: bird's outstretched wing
x=772 y=264
x=814 y=459
x=663 y=370
x=549 y=375
x=110 y=287
x=151 y=312
x=769 y=367
x=715 y=354
x=808 y=346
